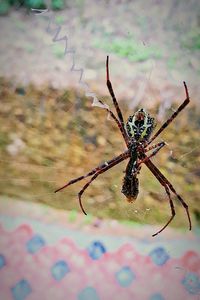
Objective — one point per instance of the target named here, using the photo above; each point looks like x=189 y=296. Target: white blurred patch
x=16 y=146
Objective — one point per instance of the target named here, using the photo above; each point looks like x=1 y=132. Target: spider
x=136 y=133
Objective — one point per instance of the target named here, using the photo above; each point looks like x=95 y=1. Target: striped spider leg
x=96 y=172
x=118 y=110
x=168 y=186
x=103 y=168
x=174 y=115
x=160 y=177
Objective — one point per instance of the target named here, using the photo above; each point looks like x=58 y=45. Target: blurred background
x=52 y=68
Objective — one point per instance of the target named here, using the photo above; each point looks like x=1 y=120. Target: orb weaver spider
x=136 y=134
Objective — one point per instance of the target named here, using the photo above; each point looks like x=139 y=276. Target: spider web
x=136 y=211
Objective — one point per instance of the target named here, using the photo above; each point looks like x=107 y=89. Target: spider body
x=140 y=125
x=137 y=137
x=139 y=128
x=130 y=187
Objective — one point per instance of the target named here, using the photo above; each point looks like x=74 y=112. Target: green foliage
x=72 y=215
x=172 y=61
x=3 y=140
x=20 y=25
x=40 y=4
x=128 y=48
x=58 y=51
x=57 y=4
x=29 y=48
x=4 y=7
x=142 y=22
x=197 y=216
x=59 y=20
x=192 y=40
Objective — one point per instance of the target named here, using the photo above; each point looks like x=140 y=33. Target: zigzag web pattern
x=56 y=38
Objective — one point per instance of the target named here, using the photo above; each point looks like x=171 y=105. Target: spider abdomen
x=130 y=188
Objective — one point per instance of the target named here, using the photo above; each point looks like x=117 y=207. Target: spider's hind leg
x=183 y=203
x=168 y=186
x=172 y=210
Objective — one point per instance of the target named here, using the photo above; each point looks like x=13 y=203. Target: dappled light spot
x=59 y=270
x=2 y=261
x=191 y=281
x=89 y=293
x=159 y=256
x=96 y=250
x=35 y=244
x=156 y=296
x=21 y=290
x=125 y=276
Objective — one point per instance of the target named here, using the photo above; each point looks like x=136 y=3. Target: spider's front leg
x=119 y=158
x=174 y=115
x=118 y=110
x=101 y=170
x=110 y=88
x=123 y=132
x=96 y=172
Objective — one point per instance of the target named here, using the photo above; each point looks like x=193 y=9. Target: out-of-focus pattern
x=40 y=259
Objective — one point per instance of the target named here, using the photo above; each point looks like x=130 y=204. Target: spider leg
x=110 y=88
x=101 y=170
x=172 y=210
x=165 y=182
x=174 y=115
x=157 y=148
x=182 y=202
x=118 y=124
x=119 y=158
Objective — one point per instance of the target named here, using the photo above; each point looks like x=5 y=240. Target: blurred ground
x=51 y=133
x=46 y=140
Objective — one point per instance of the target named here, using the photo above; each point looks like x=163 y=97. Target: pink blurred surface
x=44 y=259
